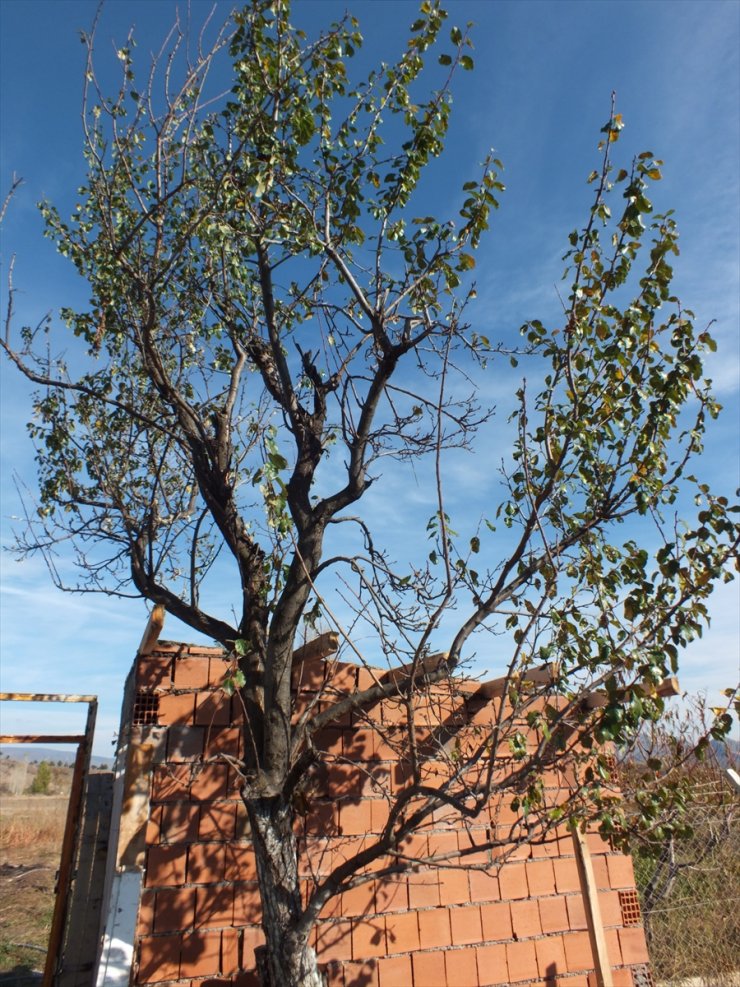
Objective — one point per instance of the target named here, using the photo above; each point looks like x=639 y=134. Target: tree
x=42 y=780
x=270 y=321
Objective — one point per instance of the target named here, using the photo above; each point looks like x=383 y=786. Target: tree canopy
x=271 y=321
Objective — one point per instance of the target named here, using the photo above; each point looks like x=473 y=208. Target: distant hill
x=32 y=752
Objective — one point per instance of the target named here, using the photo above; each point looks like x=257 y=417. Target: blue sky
x=540 y=93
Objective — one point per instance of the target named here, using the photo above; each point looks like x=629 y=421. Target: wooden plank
x=321 y=647
x=152 y=630
x=46 y=697
x=593 y=910
x=41 y=738
x=495 y=688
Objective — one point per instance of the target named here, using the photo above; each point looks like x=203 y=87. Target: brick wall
x=199 y=915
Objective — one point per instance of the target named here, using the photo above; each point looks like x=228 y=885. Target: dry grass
x=31 y=830
x=41 y=828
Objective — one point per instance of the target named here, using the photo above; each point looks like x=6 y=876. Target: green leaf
x=467 y=63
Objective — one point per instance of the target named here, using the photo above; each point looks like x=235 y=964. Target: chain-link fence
x=690 y=894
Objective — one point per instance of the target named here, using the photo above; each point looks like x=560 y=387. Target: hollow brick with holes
x=465 y=924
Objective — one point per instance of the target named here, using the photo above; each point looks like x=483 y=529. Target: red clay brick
x=247 y=904
x=443 y=844
x=215 y=907
x=540 y=877
x=368 y=938
x=166 y=865
x=159 y=959
x=621 y=871
x=612 y=947
x=496 y=921
x=213 y=709
x=632 y=946
x=566 y=875
x=184 y=743
x=218 y=667
x=379 y=812
x=175 y=909
x=395 y=971
x=240 y=863
x=578 y=951
x=361 y=974
x=402 y=932
x=334 y=941
x=392 y=895
x=424 y=889
x=333 y=973
x=209 y=782
x=462 y=967
x=201 y=954
x=512 y=880
x=597 y=844
x=360 y=744
x=206 y=863
x=229 y=953
x=434 y=928
x=354 y=818
x=177 y=709
x=191 y=673
x=484 y=886
x=359 y=900
x=576 y=912
x=252 y=938
x=611 y=910
x=217 y=821
x=454 y=888
x=525 y=918
x=145 y=923
x=492 y=968
x=521 y=960
x=553 y=915
x=466 y=926
x=223 y=740
x=551 y=961
x=170 y=782
x=429 y=969
x=179 y=822
x=154 y=673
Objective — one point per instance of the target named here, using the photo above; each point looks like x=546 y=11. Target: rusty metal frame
x=74 y=807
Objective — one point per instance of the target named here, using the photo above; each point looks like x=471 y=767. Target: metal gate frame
x=74 y=806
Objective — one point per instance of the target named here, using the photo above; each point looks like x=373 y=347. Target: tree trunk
x=287 y=960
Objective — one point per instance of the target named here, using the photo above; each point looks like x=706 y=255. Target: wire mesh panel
x=690 y=895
